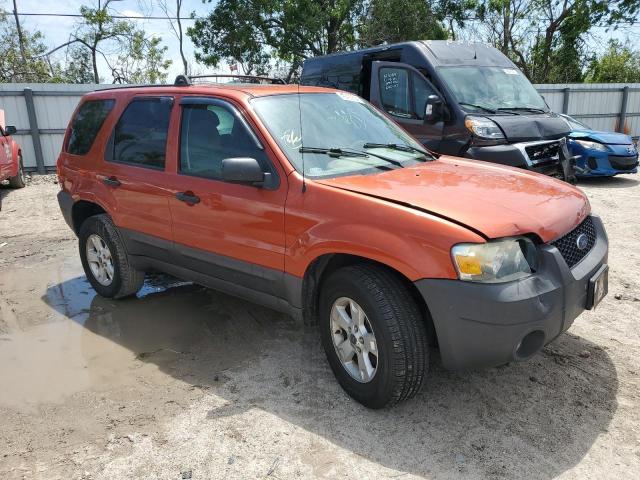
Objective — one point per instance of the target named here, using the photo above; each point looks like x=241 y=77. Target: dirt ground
x=183 y=382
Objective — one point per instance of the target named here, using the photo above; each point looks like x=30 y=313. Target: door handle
x=111 y=182
x=188 y=197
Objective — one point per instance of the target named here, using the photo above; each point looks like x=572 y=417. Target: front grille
x=623 y=163
x=543 y=152
x=568 y=245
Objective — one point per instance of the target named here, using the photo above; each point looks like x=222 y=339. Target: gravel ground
x=184 y=382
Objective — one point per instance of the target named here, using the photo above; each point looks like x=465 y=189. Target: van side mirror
x=433 y=109
x=243 y=170
x=10 y=130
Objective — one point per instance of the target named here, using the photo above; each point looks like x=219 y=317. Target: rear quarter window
x=86 y=124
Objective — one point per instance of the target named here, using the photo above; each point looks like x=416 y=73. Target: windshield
x=492 y=87
x=339 y=121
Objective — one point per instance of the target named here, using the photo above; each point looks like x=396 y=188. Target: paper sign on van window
x=390 y=80
x=510 y=71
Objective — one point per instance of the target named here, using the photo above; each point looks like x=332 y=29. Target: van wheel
x=18 y=180
x=105 y=260
x=373 y=335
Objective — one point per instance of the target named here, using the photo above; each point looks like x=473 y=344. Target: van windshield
x=493 y=88
x=354 y=131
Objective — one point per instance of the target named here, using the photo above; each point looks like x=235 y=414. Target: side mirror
x=433 y=109
x=10 y=130
x=243 y=170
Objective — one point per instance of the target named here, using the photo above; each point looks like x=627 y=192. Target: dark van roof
x=438 y=52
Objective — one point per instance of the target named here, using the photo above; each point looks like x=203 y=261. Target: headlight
x=496 y=261
x=483 y=128
x=592 y=145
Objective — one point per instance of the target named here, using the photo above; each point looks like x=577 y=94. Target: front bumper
x=603 y=164
x=517 y=155
x=485 y=324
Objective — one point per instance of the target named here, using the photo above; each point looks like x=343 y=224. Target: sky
x=56 y=30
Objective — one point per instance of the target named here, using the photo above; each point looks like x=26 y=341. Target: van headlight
x=483 y=128
x=495 y=261
x=589 y=145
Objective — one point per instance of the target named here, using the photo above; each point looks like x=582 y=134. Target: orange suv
x=312 y=202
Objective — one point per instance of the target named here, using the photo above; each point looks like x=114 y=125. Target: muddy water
x=58 y=338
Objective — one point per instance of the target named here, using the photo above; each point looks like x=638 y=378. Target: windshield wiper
x=480 y=107
x=522 y=109
x=339 y=152
x=397 y=146
x=333 y=152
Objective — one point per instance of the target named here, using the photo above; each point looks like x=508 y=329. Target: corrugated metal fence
x=41 y=112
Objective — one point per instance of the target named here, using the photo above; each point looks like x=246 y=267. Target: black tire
x=126 y=279
x=400 y=333
x=18 y=180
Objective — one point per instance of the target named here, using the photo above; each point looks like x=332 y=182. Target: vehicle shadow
x=535 y=419
x=619 y=181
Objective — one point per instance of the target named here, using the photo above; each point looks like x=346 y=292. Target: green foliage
x=142 y=60
x=391 y=21
x=252 y=32
x=77 y=67
x=618 y=64
x=13 y=69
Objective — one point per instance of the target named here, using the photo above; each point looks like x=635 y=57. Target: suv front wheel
x=105 y=260
x=373 y=335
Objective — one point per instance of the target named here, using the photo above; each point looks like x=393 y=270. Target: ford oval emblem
x=582 y=241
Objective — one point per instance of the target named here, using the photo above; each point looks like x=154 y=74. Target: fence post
x=565 y=100
x=35 y=131
x=623 y=109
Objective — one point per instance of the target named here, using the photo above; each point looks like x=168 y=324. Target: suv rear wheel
x=105 y=260
x=373 y=335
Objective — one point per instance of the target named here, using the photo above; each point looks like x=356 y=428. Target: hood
x=522 y=128
x=609 y=138
x=493 y=200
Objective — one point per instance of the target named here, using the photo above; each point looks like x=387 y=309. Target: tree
x=251 y=32
x=176 y=28
x=78 y=66
x=21 y=55
x=546 y=38
x=103 y=35
x=618 y=64
x=142 y=61
x=391 y=21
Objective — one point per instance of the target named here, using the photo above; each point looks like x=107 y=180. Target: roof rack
x=186 y=80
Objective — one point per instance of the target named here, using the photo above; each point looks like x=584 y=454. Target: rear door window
x=86 y=124
x=140 y=136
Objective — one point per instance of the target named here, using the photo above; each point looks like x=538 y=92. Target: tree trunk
x=94 y=62
x=19 y=29
x=184 y=59
x=506 y=27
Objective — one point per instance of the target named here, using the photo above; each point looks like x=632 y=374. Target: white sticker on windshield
x=349 y=97
x=510 y=71
x=291 y=138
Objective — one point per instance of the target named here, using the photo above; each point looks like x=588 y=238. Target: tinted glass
x=140 y=137
x=421 y=91
x=333 y=120
x=394 y=91
x=209 y=134
x=86 y=125
x=492 y=87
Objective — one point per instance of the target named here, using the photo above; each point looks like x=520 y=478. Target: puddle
x=59 y=338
